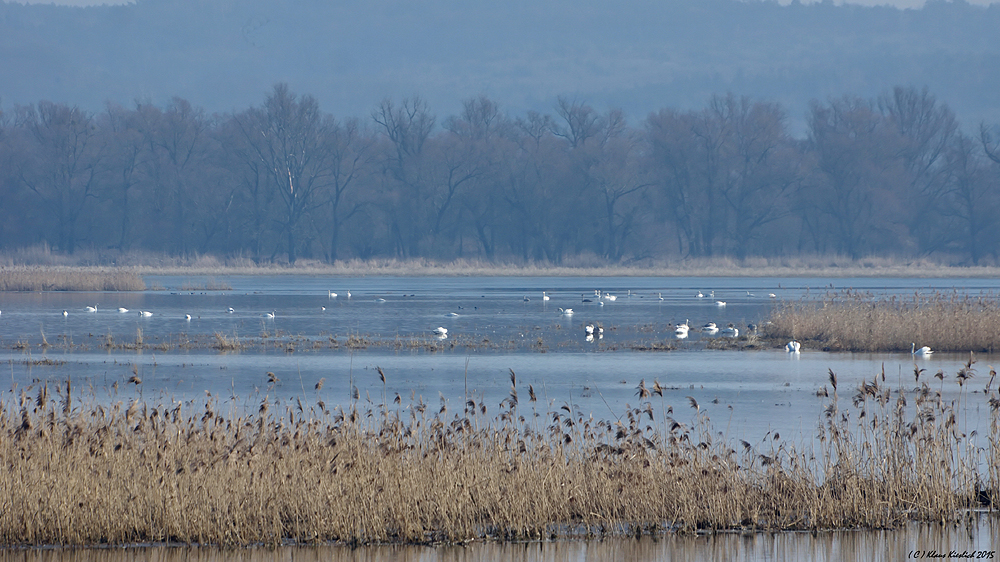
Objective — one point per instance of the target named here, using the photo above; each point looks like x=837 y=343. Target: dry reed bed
x=384 y=470
x=26 y=278
x=860 y=322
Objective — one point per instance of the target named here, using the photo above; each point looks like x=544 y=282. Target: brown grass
x=27 y=278
x=414 y=472
x=860 y=322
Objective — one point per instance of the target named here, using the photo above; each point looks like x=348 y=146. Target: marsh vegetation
x=29 y=278
x=857 y=321
x=390 y=468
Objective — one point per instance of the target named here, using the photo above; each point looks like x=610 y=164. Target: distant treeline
x=285 y=180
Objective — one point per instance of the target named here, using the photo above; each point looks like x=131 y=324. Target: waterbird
x=92 y=308
x=730 y=331
x=348 y=293
x=451 y=314
x=566 y=311
x=793 y=347
x=526 y=299
x=701 y=295
x=660 y=295
x=380 y=299
x=65 y=313
x=544 y=296
x=270 y=315
x=772 y=295
x=145 y=313
x=122 y=309
x=709 y=326
x=231 y=310
x=187 y=317
x=330 y=294
x=441 y=330
x=922 y=352
x=720 y=303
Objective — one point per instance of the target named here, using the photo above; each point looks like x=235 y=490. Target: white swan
x=441 y=331
x=270 y=315
x=793 y=347
x=589 y=328
x=545 y=297
x=660 y=295
x=701 y=295
x=231 y=310
x=145 y=313
x=709 y=326
x=610 y=297
x=452 y=315
x=187 y=317
x=566 y=311
x=330 y=294
x=122 y=309
x=720 y=303
x=348 y=293
x=730 y=331
x=65 y=313
x=92 y=308
x=922 y=352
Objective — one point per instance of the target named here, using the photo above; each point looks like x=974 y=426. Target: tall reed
x=855 y=321
x=85 y=473
x=41 y=278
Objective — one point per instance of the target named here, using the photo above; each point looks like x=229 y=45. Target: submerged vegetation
x=388 y=469
x=27 y=278
x=854 y=321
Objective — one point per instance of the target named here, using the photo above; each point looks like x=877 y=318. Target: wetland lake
x=319 y=346
x=388 y=322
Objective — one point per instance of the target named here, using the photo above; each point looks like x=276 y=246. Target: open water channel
x=494 y=325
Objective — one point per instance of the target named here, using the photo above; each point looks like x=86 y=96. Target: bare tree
x=290 y=138
x=63 y=164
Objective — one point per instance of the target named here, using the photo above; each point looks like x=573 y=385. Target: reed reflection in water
x=982 y=535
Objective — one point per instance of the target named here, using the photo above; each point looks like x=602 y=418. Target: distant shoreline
x=752 y=268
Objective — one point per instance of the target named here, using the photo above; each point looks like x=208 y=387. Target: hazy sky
x=899 y=3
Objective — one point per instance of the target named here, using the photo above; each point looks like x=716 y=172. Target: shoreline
x=756 y=268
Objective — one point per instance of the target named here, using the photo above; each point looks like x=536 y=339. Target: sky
x=897 y=3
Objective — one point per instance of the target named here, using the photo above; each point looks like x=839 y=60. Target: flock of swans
x=591 y=329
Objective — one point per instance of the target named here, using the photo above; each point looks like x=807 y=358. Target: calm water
x=754 y=547
x=746 y=394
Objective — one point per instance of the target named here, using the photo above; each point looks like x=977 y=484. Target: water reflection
x=981 y=535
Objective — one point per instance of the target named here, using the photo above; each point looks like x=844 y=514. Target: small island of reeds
x=391 y=469
x=57 y=278
x=856 y=321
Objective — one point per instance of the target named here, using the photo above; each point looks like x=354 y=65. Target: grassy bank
x=577 y=266
x=860 y=322
x=407 y=471
x=32 y=278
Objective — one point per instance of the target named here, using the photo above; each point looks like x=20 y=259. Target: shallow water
x=746 y=394
x=978 y=540
x=750 y=395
